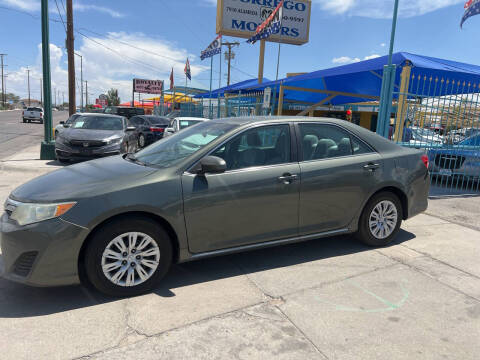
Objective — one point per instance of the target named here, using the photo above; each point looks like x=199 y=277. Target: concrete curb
x=17 y=166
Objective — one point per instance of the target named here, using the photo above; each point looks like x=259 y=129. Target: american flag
x=270 y=26
x=472 y=8
x=188 y=72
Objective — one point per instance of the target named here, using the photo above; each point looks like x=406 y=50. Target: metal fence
x=441 y=116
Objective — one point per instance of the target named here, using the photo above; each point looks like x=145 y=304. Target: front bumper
x=41 y=254
x=75 y=153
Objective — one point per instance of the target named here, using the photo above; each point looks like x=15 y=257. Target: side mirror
x=131 y=128
x=170 y=130
x=62 y=122
x=210 y=165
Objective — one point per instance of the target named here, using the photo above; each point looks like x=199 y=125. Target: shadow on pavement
x=18 y=300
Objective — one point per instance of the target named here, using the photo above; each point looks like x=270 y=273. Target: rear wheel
x=141 y=141
x=24 y=120
x=380 y=220
x=128 y=257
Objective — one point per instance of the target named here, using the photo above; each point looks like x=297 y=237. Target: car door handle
x=371 y=167
x=288 y=178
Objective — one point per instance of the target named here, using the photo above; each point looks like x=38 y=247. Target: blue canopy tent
x=362 y=81
x=231 y=88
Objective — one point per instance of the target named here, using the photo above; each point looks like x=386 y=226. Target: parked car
x=181 y=123
x=219 y=187
x=456 y=136
x=425 y=137
x=95 y=135
x=128 y=112
x=150 y=128
x=66 y=124
x=461 y=160
x=32 y=114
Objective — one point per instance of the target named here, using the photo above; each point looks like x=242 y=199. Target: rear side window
x=321 y=141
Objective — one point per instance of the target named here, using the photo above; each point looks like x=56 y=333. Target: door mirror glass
x=170 y=130
x=210 y=165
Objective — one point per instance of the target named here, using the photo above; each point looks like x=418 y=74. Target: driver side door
x=255 y=200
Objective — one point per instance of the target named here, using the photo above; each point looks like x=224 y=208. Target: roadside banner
x=272 y=25
x=213 y=49
x=147 y=86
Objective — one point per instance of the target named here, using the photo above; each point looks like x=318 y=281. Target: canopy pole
x=402 y=102
x=210 y=114
x=280 y=100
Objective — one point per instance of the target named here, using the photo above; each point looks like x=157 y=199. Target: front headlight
x=114 y=141
x=26 y=213
x=60 y=139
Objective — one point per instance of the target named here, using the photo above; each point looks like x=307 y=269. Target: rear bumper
x=42 y=254
x=418 y=196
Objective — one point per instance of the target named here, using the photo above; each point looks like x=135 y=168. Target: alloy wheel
x=130 y=259
x=383 y=219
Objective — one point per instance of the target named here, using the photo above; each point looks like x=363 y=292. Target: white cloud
x=34 y=6
x=383 y=44
x=383 y=8
x=343 y=60
x=105 y=69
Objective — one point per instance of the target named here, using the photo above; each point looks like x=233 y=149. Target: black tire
x=63 y=161
x=24 y=120
x=41 y=121
x=100 y=241
x=140 y=141
x=364 y=233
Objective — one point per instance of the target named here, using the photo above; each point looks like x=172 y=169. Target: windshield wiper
x=133 y=158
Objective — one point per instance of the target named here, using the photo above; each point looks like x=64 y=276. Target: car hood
x=82 y=180
x=84 y=134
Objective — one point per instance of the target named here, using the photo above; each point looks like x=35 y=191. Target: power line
x=59 y=14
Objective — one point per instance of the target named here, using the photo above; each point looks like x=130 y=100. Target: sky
x=122 y=39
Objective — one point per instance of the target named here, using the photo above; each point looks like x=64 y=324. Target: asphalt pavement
x=15 y=135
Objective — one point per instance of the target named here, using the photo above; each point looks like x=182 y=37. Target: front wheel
x=380 y=220
x=141 y=141
x=128 y=257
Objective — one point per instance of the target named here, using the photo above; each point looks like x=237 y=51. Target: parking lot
x=324 y=299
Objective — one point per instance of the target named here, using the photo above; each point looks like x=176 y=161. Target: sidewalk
x=326 y=299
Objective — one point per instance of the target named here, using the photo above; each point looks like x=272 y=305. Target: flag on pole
x=472 y=8
x=272 y=25
x=172 y=82
x=213 y=49
x=188 y=72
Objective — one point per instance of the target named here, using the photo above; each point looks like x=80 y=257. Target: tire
x=375 y=236
x=141 y=141
x=63 y=161
x=41 y=121
x=118 y=230
x=24 y=120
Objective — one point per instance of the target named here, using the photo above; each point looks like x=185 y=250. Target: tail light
x=157 y=130
x=425 y=161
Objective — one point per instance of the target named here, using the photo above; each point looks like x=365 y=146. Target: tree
x=112 y=97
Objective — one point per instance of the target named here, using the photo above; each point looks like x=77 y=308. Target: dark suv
x=127 y=112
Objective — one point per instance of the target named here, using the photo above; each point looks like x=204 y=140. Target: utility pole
x=71 y=59
x=229 y=56
x=86 y=93
x=3 y=85
x=81 y=80
x=28 y=80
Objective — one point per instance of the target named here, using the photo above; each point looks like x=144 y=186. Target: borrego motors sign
x=147 y=86
x=240 y=18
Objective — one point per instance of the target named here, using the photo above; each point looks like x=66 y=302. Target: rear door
x=338 y=172
x=255 y=200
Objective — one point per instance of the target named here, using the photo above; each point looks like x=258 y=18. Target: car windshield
x=187 y=123
x=159 y=121
x=98 y=123
x=73 y=118
x=421 y=133
x=172 y=150
x=34 y=109
x=471 y=141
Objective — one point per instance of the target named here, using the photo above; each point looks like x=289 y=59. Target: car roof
x=102 y=115
x=190 y=118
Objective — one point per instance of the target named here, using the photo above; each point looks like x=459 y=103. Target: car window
x=267 y=145
x=359 y=147
x=72 y=118
x=34 y=109
x=175 y=148
x=325 y=141
x=137 y=121
x=109 y=110
x=159 y=121
x=187 y=123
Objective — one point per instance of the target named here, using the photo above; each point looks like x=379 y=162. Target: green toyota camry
x=219 y=187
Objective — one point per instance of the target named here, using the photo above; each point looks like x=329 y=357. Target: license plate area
x=445 y=172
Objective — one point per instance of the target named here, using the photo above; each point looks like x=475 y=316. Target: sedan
x=150 y=128
x=461 y=160
x=220 y=187
x=95 y=135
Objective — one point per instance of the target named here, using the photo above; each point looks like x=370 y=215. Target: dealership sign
x=147 y=86
x=241 y=18
x=213 y=49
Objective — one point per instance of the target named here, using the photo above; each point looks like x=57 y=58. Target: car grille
x=451 y=162
x=24 y=263
x=87 y=143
